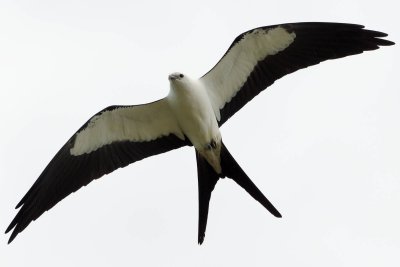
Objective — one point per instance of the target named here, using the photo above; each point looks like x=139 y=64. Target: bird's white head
x=176 y=76
x=178 y=80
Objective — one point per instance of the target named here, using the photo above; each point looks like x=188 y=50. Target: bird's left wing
x=257 y=58
x=111 y=139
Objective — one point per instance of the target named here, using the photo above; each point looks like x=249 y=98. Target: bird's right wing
x=257 y=58
x=111 y=139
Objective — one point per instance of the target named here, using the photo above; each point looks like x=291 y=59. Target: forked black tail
x=208 y=178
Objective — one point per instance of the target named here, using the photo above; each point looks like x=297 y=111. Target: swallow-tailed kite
x=191 y=115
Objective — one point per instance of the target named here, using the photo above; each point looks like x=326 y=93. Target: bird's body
x=192 y=108
x=192 y=114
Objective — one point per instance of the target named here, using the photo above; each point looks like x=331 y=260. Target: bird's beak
x=173 y=77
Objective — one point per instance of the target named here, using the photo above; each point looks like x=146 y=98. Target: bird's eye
x=181 y=75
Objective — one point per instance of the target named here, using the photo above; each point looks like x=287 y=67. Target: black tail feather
x=208 y=178
x=231 y=169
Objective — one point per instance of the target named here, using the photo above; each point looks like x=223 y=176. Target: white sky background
x=324 y=142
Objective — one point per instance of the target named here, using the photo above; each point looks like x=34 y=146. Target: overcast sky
x=322 y=143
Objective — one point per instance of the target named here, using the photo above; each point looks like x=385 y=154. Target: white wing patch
x=136 y=123
x=229 y=75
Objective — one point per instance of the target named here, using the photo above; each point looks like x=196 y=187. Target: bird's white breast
x=192 y=107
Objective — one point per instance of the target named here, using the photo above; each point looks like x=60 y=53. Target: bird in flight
x=191 y=115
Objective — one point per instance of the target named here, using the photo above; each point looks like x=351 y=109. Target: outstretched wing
x=111 y=139
x=257 y=58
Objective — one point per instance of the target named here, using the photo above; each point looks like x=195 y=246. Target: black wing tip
x=384 y=42
x=12 y=237
x=19 y=204
x=8 y=229
x=376 y=35
x=13 y=225
x=10 y=240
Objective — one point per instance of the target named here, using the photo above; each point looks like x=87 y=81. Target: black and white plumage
x=191 y=114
